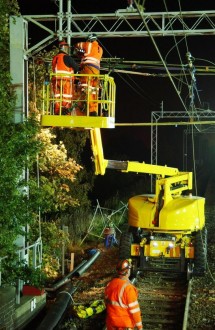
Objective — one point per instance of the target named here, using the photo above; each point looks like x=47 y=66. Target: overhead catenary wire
x=159 y=53
x=133 y=85
x=193 y=81
x=202 y=59
x=192 y=88
x=192 y=105
x=187 y=54
x=192 y=71
x=159 y=75
x=177 y=43
x=139 y=8
x=190 y=65
x=177 y=123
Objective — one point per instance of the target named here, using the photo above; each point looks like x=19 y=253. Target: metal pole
x=60 y=17
x=69 y=17
x=154 y=147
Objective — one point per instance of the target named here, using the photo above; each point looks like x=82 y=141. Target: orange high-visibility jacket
x=58 y=65
x=92 y=53
x=122 y=305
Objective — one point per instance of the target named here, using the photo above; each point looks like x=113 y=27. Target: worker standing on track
x=121 y=299
x=91 y=53
x=63 y=88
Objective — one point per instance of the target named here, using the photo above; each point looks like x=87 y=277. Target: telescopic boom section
x=170 y=182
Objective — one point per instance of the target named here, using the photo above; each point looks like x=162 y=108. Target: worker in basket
x=63 y=65
x=121 y=299
x=90 y=53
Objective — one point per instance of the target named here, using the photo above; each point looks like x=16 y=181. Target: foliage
x=8 y=7
x=78 y=221
x=39 y=68
x=64 y=184
x=14 y=270
x=18 y=147
x=56 y=175
x=51 y=181
x=32 y=276
x=53 y=239
x=77 y=145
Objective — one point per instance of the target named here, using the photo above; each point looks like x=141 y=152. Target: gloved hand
x=76 y=81
x=78 y=52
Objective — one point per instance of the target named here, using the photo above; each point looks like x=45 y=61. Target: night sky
x=138 y=96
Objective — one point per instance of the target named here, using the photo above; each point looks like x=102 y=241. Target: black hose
x=66 y=278
x=57 y=310
x=82 y=269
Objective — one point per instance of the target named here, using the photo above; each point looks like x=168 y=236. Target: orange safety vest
x=63 y=84
x=92 y=53
x=58 y=65
x=122 y=306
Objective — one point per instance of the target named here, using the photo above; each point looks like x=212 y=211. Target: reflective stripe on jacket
x=122 y=305
x=58 y=65
x=92 y=53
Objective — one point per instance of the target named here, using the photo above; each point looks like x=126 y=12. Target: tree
x=18 y=147
x=56 y=174
x=63 y=182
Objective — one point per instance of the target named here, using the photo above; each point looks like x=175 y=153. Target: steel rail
x=187 y=306
x=163 y=300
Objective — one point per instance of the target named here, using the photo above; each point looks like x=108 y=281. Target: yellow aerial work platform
x=68 y=101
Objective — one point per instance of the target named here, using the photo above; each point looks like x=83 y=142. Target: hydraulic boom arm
x=169 y=179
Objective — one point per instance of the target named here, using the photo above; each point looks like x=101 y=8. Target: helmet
x=123 y=267
x=92 y=37
x=64 y=47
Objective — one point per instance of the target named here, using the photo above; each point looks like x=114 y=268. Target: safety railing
x=35 y=259
x=89 y=99
x=31 y=256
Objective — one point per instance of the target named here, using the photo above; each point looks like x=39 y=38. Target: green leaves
x=18 y=147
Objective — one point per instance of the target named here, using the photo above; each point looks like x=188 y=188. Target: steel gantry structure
x=174 y=116
x=123 y=23
x=128 y=22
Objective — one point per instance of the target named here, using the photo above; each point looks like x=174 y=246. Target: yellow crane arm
x=169 y=179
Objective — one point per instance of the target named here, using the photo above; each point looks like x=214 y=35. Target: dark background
x=138 y=96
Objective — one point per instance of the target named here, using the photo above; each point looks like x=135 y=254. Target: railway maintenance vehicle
x=166 y=230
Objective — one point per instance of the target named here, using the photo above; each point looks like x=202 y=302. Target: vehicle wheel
x=126 y=240
x=200 y=253
x=183 y=265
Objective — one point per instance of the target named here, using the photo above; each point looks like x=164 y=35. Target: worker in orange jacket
x=63 y=85
x=90 y=53
x=121 y=298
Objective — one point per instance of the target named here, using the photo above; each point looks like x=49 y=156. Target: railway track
x=163 y=300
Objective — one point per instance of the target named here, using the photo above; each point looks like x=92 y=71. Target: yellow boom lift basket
x=98 y=91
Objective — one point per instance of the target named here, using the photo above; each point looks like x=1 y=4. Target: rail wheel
x=200 y=253
x=189 y=270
